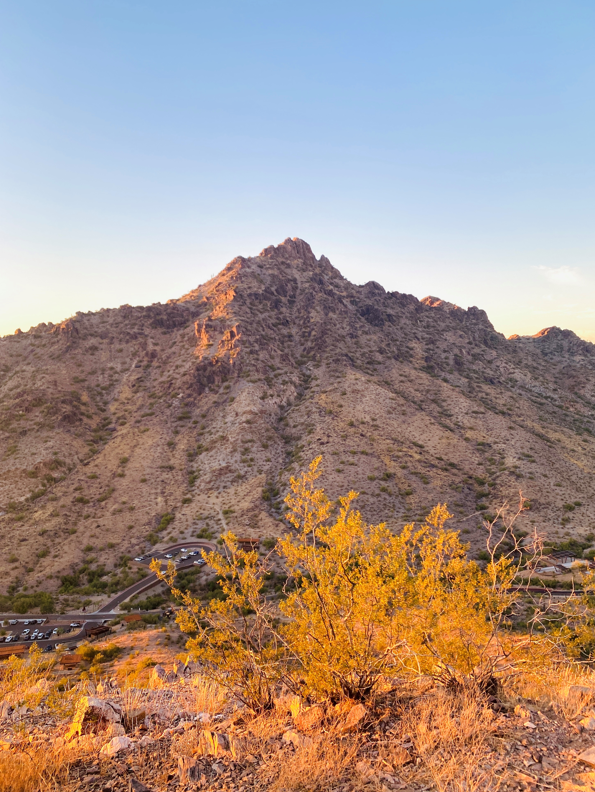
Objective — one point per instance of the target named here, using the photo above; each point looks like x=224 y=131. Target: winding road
x=152 y=580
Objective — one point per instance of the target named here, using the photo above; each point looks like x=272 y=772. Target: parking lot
x=190 y=554
x=47 y=632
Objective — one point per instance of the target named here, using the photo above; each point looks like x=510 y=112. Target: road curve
x=152 y=580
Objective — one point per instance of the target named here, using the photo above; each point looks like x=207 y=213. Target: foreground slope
x=203 y=407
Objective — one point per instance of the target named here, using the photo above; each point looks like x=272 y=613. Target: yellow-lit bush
x=362 y=605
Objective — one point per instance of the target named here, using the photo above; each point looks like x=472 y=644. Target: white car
x=140 y=558
x=200 y=562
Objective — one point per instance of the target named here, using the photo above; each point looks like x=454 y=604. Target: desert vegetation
x=383 y=661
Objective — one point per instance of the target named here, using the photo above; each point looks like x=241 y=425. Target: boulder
x=588 y=756
x=159 y=676
x=296 y=739
x=116 y=745
x=577 y=693
x=216 y=744
x=180 y=669
x=588 y=723
x=188 y=769
x=5 y=710
x=309 y=718
x=92 y=714
x=354 y=719
x=159 y=672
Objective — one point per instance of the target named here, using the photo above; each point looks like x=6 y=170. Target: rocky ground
x=200 y=409
x=179 y=733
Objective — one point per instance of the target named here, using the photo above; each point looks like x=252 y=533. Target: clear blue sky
x=442 y=148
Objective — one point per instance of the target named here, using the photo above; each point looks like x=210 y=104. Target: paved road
x=151 y=580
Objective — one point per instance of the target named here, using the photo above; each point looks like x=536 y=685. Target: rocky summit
x=123 y=428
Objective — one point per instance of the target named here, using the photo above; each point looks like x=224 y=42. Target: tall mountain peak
x=216 y=398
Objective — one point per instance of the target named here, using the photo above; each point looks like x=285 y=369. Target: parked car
x=169 y=555
x=200 y=562
x=27 y=631
x=13 y=621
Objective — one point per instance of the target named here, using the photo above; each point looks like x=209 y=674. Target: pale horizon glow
x=440 y=149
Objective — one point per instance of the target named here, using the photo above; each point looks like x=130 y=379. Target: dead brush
x=25 y=679
x=450 y=735
x=30 y=767
x=208 y=695
x=320 y=764
x=569 y=688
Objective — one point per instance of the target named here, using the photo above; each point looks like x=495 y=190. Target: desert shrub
x=166 y=519
x=25 y=603
x=362 y=605
x=151 y=602
x=93 y=654
x=573 y=621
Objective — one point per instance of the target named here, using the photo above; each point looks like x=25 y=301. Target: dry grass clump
x=22 y=771
x=569 y=688
x=430 y=737
x=450 y=734
x=320 y=764
x=30 y=767
x=439 y=740
x=25 y=680
x=208 y=696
